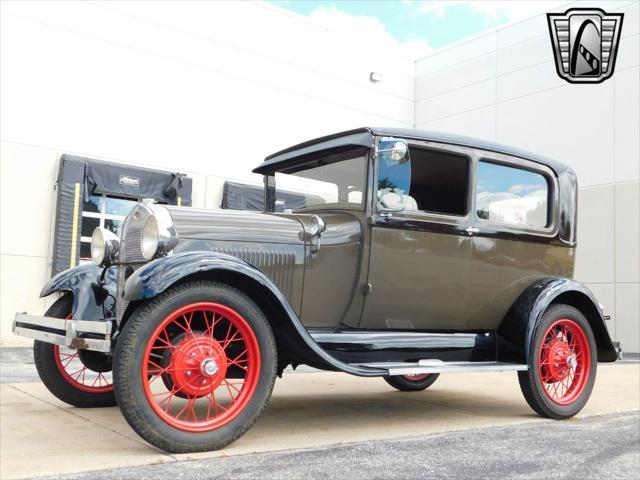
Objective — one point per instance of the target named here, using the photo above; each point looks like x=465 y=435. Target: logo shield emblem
x=585 y=43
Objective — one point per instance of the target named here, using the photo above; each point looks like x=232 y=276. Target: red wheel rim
x=418 y=377
x=208 y=361
x=564 y=361
x=77 y=374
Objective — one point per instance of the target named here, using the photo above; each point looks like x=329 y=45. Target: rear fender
x=92 y=299
x=518 y=329
x=159 y=275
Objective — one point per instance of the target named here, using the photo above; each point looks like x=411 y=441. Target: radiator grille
x=130 y=251
x=131 y=236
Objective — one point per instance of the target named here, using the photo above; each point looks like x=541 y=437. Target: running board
x=438 y=366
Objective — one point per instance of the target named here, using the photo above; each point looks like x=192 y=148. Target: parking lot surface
x=322 y=412
x=595 y=447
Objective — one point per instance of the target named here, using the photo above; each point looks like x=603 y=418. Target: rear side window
x=431 y=181
x=511 y=195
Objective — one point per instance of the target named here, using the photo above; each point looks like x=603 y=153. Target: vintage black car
x=390 y=253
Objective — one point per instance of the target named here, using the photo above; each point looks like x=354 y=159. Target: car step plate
x=438 y=366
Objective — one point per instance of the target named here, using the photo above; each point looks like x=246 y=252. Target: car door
x=420 y=249
x=515 y=210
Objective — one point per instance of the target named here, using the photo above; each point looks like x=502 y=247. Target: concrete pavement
x=41 y=436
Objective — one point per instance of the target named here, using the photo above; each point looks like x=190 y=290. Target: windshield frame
x=313 y=161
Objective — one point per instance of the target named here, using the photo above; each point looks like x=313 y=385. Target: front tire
x=78 y=377
x=412 y=383
x=562 y=364
x=195 y=367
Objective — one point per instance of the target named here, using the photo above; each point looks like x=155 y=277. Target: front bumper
x=80 y=334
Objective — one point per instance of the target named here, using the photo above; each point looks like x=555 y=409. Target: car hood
x=237 y=225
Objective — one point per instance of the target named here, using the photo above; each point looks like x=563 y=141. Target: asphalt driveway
x=596 y=447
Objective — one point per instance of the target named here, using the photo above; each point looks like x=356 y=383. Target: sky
x=417 y=27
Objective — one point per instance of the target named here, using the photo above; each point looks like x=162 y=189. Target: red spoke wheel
x=412 y=383
x=194 y=367
x=72 y=365
x=416 y=377
x=81 y=378
x=563 y=367
x=209 y=360
x=564 y=361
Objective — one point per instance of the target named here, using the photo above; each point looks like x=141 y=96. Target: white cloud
x=520 y=189
x=514 y=10
x=369 y=30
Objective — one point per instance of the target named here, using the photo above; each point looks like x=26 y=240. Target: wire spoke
x=176 y=353
x=232 y=339
x=70 y=360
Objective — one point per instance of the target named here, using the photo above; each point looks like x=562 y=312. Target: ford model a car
x=387 y=253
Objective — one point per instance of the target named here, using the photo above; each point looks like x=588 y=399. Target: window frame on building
x=102 y=216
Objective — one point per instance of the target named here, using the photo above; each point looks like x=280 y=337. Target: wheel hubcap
x=209 y=367
x=198 y=365
x=558 y=360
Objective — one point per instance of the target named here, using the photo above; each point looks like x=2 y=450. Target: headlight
x=158 y=234
x=104 y=246
x=150 y=237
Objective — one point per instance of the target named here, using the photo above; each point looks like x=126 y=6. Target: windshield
x=332 y=181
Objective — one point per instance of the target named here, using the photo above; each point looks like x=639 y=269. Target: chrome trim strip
x=438 y=366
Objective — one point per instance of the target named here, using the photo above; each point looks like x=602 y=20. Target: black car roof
x=365 y=137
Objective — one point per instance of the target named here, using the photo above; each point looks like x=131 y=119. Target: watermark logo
x=585 y=43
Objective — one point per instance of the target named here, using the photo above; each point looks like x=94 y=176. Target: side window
x=511 y=196
x=333 y=181
x=430 y=181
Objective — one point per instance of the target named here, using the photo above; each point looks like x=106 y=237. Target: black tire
x=531 y=381
x=128 y=364
x=406 y=384
x=44 y=355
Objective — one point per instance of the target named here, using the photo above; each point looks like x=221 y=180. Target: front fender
x=157 y=276
x=92 y=300
x=517 y=331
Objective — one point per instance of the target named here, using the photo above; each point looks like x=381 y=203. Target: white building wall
x=503 y=86
x=205 y=88
x=210 y=88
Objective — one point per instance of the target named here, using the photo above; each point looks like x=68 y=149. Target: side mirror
x=392 y=151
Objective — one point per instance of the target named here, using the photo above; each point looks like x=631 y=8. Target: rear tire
x=562 y=364
x=412 y=383
x=79 y=378
x=195 y=367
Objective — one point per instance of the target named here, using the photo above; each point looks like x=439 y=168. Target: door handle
x=472 y=230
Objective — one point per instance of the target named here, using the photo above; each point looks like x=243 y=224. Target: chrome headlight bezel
x=159 y=235
x=105 y=246
x=149 y=237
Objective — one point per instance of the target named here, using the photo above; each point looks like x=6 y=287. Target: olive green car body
x=374 y=286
